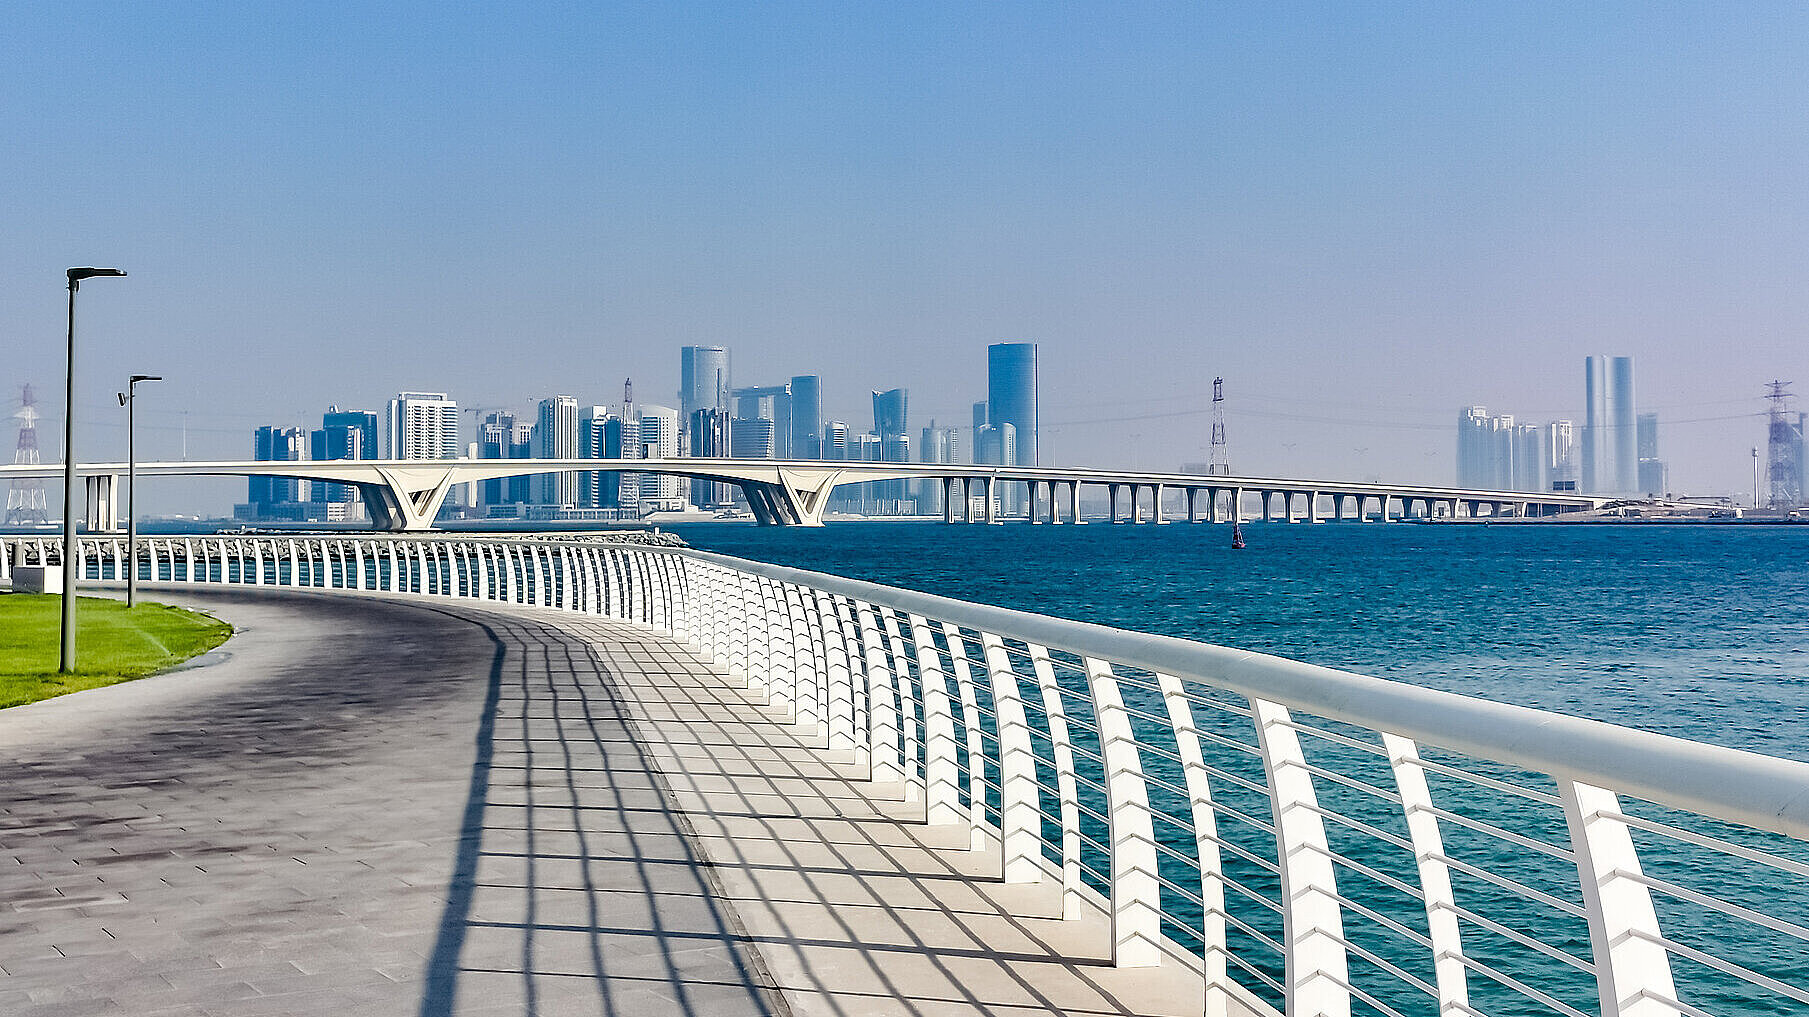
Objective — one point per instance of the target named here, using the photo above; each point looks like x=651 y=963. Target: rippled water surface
x=1701 y=632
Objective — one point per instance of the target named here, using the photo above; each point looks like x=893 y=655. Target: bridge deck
x=373 y=806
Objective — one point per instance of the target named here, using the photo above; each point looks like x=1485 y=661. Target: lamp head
x=136 y=378
x=76 y=275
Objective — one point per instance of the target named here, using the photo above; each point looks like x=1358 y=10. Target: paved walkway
x=374 y=806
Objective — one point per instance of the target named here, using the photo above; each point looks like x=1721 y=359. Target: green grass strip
x=113 y=644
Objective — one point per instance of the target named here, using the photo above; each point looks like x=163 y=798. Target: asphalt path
x=356 y=806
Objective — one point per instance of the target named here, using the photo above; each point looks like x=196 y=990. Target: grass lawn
x=112 y=644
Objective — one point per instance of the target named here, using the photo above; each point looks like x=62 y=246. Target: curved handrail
x=1715 y=781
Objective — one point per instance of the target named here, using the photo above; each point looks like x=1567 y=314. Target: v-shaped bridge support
x=408 y=499
x=797 y=498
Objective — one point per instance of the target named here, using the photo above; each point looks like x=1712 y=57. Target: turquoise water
x=1696 y=632
x=1701 y=632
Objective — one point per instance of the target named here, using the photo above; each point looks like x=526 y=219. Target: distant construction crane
x=25 y=500
x=1784 y=447
x=1218 y=463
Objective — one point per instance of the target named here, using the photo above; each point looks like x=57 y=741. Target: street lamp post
x=66 y=660
x=129 y=399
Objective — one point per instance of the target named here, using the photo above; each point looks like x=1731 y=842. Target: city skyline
x=1363 y=220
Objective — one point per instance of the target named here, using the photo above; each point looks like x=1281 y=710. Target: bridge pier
x=1312 y=506
x=1193 y=509
x=1136 y=505
x=1156 y=505
x=991 y=507
x=1112 y=502
x=1074 y=502
x=101 y=513
x=1030 y=516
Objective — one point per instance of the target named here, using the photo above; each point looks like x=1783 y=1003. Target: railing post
x=1061 y=747
x=739 y=632
x=941 y=774
x=839 y=706
x=782 y=672
x=1435 y=876
x=887 y=753
x=1632 y=968
x=1206 y=840
x=910 y=747
x=859 y=687
x=1136 y=895
x=759 y=636
x=1020 y=821
x=807 y=677
x=1317 y=968
x=968 y=705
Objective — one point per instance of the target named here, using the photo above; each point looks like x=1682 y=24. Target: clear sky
x=1363 y=216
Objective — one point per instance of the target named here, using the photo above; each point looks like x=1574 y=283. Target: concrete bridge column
x=1030 y=516
x=1193 y=508
x=1385 y=499
x=1112 y=502
x=1136 y=505
x=991 y=507
x=1312 y=513
x=948 y=499
x=1237 y=505
x=1156 y=492
x=1074 y=502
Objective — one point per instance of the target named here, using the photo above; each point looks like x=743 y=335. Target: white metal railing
x=1326 y=843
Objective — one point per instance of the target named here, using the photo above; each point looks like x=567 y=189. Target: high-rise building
x=1610 y=436
x=658 y=438
x=1011 y=395
x=771 y=403
x=1559 y=452
x=593 y=441
x=277 y=445
x=556 y=437
x=709 y=434
x=940 y=445
x=834 y=441
x=621 y=440
x=753 y=438
x=422 y=425
x=997 y=445
x=889 y=413
x=704 y=380
x=333 y=442
x=806 y=418
x=501 y=436
x=1475 y=448
x=1654 y=475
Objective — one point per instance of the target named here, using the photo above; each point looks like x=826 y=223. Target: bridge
x=405 y=495
x=870 y=799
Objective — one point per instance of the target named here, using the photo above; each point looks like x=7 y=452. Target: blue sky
x=1363 y=216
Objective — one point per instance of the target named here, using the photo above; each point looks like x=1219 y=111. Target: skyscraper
x=1011 y=395
x=1654 y=476
x=556 y=437
x=658 y=438
x=332 y=441
x=501 y=436
x=593 y=440
x=422 y=425
x=704 y=380
x=709 y=434
x=889 y=413
x=1610 y=435
x=277 y=445
x=806 y=417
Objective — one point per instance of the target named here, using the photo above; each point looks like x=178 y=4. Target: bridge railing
x=1320 y=842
